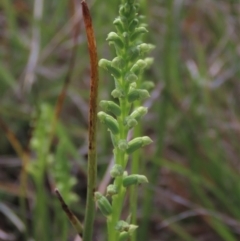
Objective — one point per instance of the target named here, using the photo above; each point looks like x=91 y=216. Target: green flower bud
x=125 y=174
x=133 y=53
x=137 y=33
x=147 y=85
x=145 y=48
x=110 y=106
x=109 y=121
x=123 y=236
x=111 y=190
x=137 y=143
x=103 y=204
x=130 y=77
x=132 y=228
x=115 y=39
x=133 y=86
x=139 y=50
x=130 y=122
x=130 y=180
x=114 y=71
x=116 y=171
x=118 y=24
x=122 y=226
x=121 y=11
x=132 y=11
x=106 y=64
x=133 y=25
x=125 y=36
x=125 y=229
x=138 y=66
x=116 y=93
x=118 y=62
x=149 y=61
x=128 y=10
x=123 y=145
x=123 y=18
x=137 y=94
x=139 y=112
x=129 y=218
x=142 y=179
x=134 y=179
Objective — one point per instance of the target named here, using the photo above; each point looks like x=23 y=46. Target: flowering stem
x=124 y=114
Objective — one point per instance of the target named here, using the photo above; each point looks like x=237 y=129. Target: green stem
x=41 y=227
x=117 y=203
x=121 y=159
x=90 y=207
x=133 y=190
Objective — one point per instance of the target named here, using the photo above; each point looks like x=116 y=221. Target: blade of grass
x=72 y=218
x=23 y=175
x=92 y=159
x=35 y=45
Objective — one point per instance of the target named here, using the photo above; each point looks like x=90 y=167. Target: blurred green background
x=193 y=166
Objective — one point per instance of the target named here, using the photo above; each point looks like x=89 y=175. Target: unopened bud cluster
x=118 y=115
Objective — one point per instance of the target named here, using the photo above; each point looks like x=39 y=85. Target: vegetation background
x=194 y=119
